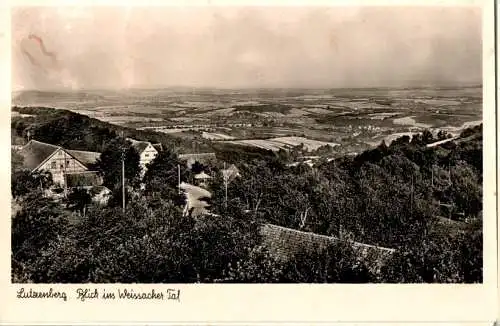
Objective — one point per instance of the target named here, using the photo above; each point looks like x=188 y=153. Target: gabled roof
x=202 y=175
x=158 y=147
x=36 y=152
x=139 y=145
x=84 y=157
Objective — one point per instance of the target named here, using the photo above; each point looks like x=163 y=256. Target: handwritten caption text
x=88 y=294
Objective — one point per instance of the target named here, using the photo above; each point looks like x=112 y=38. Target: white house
x=147 y=153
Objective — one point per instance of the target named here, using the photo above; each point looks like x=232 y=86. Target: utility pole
x=449 y=172
x=411 y=196
x=123 y=177
x=179 y=178
x=225 y=176
x=64 y=174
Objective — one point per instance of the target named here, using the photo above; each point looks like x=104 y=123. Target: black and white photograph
x=246 y=144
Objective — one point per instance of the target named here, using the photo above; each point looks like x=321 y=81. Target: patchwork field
x=275 y=144
x=349 y=119
x=215 y=136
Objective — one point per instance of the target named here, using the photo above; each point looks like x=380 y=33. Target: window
x=67 y=162
x=146 y=155
x=53 y=165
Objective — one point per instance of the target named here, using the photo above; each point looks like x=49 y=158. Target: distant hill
x=34 y=97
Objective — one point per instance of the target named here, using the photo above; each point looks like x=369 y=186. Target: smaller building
x=202 y=179
x=100 y=195
x=231 y=173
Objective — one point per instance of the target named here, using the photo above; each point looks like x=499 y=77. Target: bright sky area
x=238 y=47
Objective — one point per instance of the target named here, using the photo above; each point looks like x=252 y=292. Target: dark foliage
x=109 y=163
x=24 y=181
x=78 y=199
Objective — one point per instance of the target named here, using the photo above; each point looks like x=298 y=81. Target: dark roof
x=140 y=145
x=83 y=179
x=85 y=157
x=35 y=152
x=284 y=243
x=158 y=147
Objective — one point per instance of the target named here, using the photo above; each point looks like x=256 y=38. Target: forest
x=424 y=202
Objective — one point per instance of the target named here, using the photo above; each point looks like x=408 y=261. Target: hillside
x=72 y=130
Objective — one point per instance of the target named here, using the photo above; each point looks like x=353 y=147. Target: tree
x=427 y=137
x=259 y=266
x=440 y=258
x=466 y=190
x=16 y=161
x=442 y=135
x=110 y=163
x=24 y=181
x=39 y=223
x=219 y=242
x=161 y=178
x=337 y=263
x=198 y=167
x=147 y=244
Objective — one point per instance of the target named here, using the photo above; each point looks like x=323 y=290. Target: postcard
x=249 y=163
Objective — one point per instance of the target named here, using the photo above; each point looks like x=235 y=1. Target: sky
x=239 y=47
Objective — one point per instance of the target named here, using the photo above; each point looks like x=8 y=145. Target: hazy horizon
x=116 y=48
x=467 y=85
